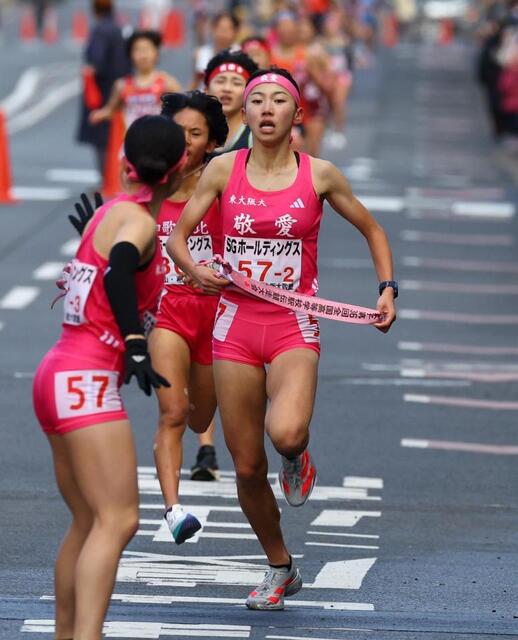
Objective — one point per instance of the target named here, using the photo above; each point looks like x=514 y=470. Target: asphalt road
x=411 y=532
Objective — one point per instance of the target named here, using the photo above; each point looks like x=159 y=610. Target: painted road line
x=80 y=176
x=475 y=376
x=70 y=247
x=406 y=382
x=22 y=93
x=497 y=210
x=459 y=287
x=465 y=318
x=385 y=204
x=139 y=630
x=19 y=297
x=41 y=194
x=471 y=447
x=460 y=265
x=362 y=482
x=44 y=106
x=346 y=263
x=340 y=545
x=172 y=599
x=344 y=574
x=470 y=403
x=344 y=629
x=48 y=271
x=470 y=239
x=343 y=535
x=446 y=347
x=342 y=517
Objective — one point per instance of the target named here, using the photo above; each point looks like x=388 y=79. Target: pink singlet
x=185 y=310
x=142 y=101
x=77 y=383
x=270 y=236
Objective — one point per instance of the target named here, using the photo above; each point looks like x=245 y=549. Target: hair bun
x=151 y=170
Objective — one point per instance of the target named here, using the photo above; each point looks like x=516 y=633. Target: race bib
x=273 y=261
x=80 y=283
x=200 y=248
x=82 y=393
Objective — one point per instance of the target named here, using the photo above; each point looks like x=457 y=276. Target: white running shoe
x=297 y=478
x=278 y=583
x=182 y=525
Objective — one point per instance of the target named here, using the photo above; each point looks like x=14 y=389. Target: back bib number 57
x=83 y=393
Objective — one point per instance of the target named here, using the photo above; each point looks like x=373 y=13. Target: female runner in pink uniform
x=181 y=342
x=116 y=277
x=271 y=208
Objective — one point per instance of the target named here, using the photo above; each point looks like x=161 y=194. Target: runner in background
x=338 y=46
x=181 y=342
x=258 y=49
x=256 y=188
x=115 y=280
x=225 y=77
x=139 y=94
x=224 y=28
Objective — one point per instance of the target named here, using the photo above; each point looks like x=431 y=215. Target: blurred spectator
x=40 y=9
x=224 y=30
x=105 y=61
x=257 y=48
x=156 y=12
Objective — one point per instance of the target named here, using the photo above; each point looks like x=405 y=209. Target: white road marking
x=445 y=347
x=470 y=403
x=226 y=488
x=338 y=544
x=48 y=271
x=44 y=106
x=465 y=318
x=81 y=176
x=471 y=239
x=21 y=375
x=346 y=263
x=70 y=247
x=19 y=297
x=459 y=287
x=171 y=599
x=41 y=194
x=343 y=535
x=379 y=203
x=493 y=266
x=470 y=447
x=500 y=210
x=405 y=382
x=344 y=574
x=23 y=91
x=344 y=629
x=342 y=517
x=367 y=483
x=139 y=630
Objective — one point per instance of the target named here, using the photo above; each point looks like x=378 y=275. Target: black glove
x=85 y=212
x=138 y=364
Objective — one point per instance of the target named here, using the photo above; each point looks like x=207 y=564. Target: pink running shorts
x=77 y=384
x=255 y=332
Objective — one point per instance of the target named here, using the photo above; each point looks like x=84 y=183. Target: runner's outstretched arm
x=334 y=187
x=210 y=187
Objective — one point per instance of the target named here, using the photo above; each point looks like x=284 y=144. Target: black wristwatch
x=388 y=283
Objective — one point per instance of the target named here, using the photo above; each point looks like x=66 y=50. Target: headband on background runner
x=228 y=67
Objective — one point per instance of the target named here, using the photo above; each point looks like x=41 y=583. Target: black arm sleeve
x=119 y=284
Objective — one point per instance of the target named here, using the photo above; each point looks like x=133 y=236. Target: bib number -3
x=82 y=277
x=83 y=393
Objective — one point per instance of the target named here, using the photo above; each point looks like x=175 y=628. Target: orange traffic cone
x=446 y=32
x=50 y=27
x=6 y=195
x=390 y=31
x=27 y=26
x=79 y=27
x=112 y=166
x=173 y=34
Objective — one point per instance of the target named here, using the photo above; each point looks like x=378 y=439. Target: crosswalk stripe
x=19 y=297
x=48 y=271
